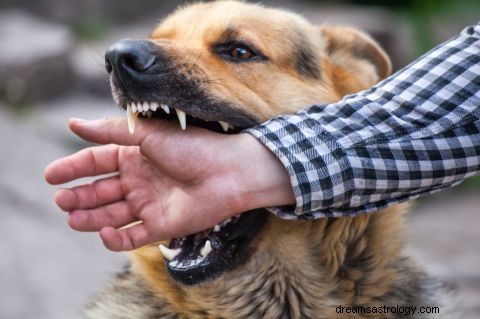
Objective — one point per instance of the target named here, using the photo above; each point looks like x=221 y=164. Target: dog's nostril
x=108 y=65
x=130 y=56
x=139 y=62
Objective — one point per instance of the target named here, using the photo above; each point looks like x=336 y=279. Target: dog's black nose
x=130 y=56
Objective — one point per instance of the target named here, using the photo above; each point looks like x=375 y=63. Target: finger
x=126 y=239
x=115 y=131
x=113 y=215
x=91 y=161
x=100 y=192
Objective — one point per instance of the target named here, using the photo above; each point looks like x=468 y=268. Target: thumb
x=114 y=131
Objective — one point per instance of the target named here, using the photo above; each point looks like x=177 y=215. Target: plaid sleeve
x=414 y=133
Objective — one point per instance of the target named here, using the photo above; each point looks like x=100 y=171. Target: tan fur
x=300 y=269
x=273 y=88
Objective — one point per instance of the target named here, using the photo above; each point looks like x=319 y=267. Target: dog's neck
x=307 y=269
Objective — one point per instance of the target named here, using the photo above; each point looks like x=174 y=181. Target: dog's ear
x=354 y=53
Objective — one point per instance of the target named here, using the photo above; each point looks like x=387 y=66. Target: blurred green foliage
x=423 y=15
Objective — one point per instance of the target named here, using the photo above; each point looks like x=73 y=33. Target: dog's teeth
x=153 y=106
x=182 y=118
x=224 y=125
x=217 y=228
x=146 y=106
x=139 y=107
x=227 y=222
x=168 y=253
x=206 y=249
x=131 y=119
x=133 y=107
x=165 y=108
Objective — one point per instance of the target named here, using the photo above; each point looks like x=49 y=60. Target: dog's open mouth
x=163 y=111
x=198 y=257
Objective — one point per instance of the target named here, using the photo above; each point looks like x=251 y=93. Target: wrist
x=261 y=179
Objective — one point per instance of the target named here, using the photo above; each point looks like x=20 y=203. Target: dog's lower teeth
x=168 y=253
x=206 y=249
x=227 y=222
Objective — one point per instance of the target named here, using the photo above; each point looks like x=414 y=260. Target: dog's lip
x=202 y=256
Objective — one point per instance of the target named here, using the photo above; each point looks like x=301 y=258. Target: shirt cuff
x=319 y=171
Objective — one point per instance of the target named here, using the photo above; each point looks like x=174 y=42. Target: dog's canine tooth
x=168 y=253
x=165 y=108
x=131 y=118
x=182 y=118
x=153 y=106
x=224 y=125
x=206 y=249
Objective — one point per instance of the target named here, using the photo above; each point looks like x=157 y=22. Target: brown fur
x=299 y=269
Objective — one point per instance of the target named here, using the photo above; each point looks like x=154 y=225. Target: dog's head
x=226 y=66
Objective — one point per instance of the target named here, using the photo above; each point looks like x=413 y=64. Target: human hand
x=174 y=182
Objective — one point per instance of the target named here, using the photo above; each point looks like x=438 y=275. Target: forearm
x=413 y=133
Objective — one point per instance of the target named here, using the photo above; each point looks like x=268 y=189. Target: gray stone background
x=51 y=69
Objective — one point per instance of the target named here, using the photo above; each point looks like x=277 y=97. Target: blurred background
x=51 y=69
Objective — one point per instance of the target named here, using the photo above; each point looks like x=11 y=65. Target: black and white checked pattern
x=414 y=133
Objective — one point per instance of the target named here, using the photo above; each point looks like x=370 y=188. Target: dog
x=227 y=66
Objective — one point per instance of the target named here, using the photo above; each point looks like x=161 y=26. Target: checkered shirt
x=414 y=133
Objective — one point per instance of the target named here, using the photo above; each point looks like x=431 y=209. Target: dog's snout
x=130 y=56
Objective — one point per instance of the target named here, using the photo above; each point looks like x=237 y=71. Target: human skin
x=175 y=182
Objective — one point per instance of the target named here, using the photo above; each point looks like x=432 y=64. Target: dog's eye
x=241 y=53
x=238 y=52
